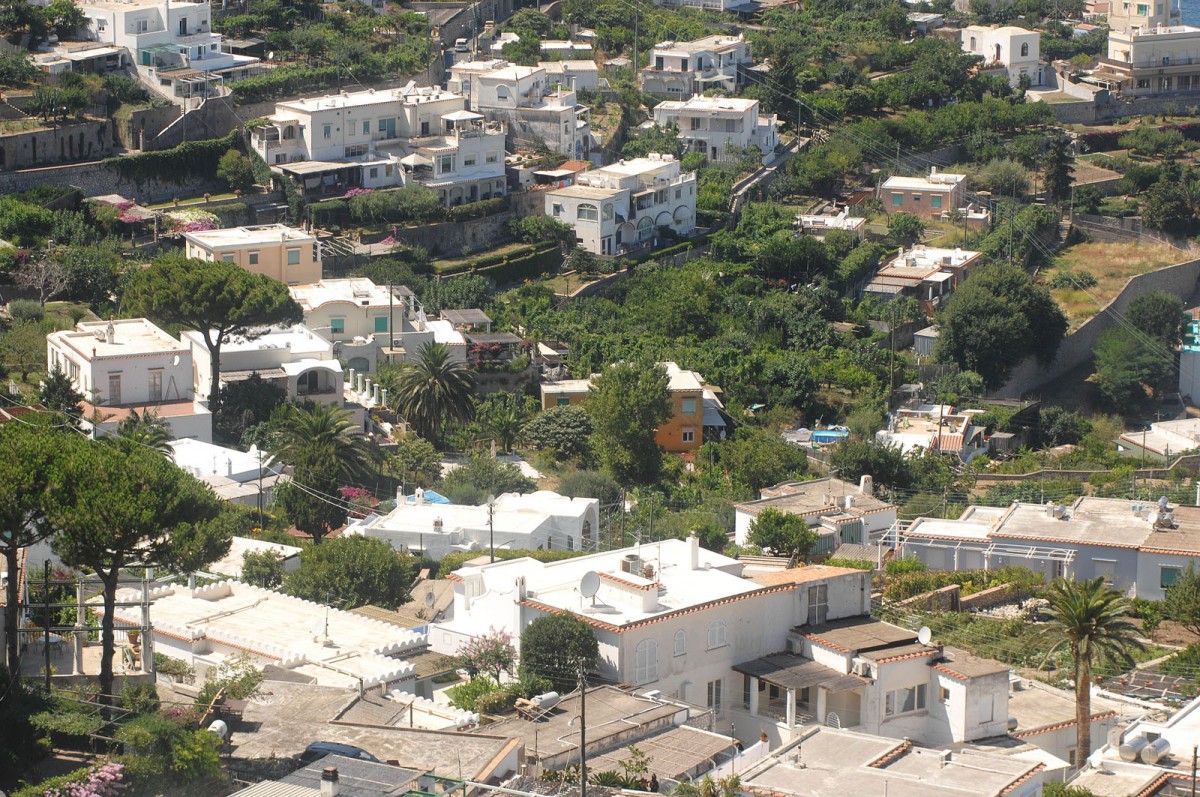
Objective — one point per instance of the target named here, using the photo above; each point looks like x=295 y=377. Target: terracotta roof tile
x=1058 y=726
x=803 y=575
x=1010 y=788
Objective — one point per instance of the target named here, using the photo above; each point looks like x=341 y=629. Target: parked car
x=318 y=750
x=461 y=46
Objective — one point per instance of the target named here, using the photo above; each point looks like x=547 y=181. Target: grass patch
x=563 y=284
x=1112 y=264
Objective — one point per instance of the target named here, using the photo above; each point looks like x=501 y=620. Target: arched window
x=646 y=662
x=587 y=213
x=289 y=132
x=680 y=642
x=1025 y=48
x=645 y=228
x=716 y=634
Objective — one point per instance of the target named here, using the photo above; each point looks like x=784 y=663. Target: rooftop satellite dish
x=429 y=599
x=924 y=635
x=589 y=585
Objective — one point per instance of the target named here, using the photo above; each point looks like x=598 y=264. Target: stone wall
x=528 y=203
x=449 y=238
x=946 y=599
x=986 y=599
x=94 y=178
x=143 y=125
x=85 y=141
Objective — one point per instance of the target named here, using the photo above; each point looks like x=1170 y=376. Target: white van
x=460 y=46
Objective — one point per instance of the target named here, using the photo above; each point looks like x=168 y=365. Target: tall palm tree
x=147 y=429
x=312 y=434
x=433 y=389
x=1094 y=621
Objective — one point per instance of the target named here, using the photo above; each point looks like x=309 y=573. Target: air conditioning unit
x=861 y=668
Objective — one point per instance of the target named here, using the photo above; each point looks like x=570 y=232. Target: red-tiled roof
x=1010 y=788
x=1058 y=726
x=891 y=755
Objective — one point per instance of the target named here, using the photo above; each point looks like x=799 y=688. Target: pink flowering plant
x=105 y=780
x=490 y=654
x=191 y=220
x=361 y=502
x=353 y=192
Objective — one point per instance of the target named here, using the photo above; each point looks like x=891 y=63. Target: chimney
x=329 y=782
x=110 y=333
x=866 y=485
x=694 y=551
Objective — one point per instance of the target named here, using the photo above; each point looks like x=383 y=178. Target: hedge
x=236 y=214
x=191 y=160
x=522 y=264
x=477 y=210
x=287 y=80
x=330 y=213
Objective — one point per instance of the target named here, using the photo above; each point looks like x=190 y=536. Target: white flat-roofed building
x=1164 y=440
x=573 y=74
x=356 y=315
x=231 y=564
x=619 y=207
x=296 y=358
x=821 y=761
x=720 y=127
x=235 y=476
x=817 y=224
x=385 y=139
x=1149 y=51
x=1014 y=50
x=684 y=69
x=1137 y=547
x=209 y=625
x=565 y=49
x=130 y=365
x=841 y=512
x=540 y=520
x=669 y=616
x=536 y=108
x=928 y=274
x=285 y=253
x=171 y=44
x=924 y=196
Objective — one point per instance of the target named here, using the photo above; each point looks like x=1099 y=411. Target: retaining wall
x=1077 y=348
x=94 y=178
x=66 y=144
x=449 y=238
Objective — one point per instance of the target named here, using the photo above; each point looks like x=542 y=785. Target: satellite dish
x=924 y=635
x=429 y=599
x=589 y=585
x=175 y=360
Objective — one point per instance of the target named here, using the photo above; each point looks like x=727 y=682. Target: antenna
x=589 y=585
x=429 y=599
x=924 y=635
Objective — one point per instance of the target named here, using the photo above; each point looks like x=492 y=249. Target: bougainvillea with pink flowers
x=191 y=220
x=353 y=192
x=105 y=780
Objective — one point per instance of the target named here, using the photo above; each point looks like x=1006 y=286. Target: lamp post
x=491 y=507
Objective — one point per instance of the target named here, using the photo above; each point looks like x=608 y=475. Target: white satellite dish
x=589 y=585
x=429 y=599
x=924 y=635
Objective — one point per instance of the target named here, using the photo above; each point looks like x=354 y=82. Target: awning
x=300 y=366
x=88 y=54
x=794 y=672
x=462 y=116
x=314 y=167
x=416 y=159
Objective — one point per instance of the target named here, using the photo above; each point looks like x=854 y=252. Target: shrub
x=1073 y=280
x=466 y=696
x=176 y=668
x=904 y=565
x=1184 y=663
x=26 y=310
x=857 y=564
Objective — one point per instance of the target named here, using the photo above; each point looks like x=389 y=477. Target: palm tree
x=147 y=429
x=1094 y=621
x=433 y=389
x=315 y=433
x=505 y=422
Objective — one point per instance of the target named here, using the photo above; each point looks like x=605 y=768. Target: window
x=1025 y=48
x=987 y=712
x=492 y=157
x=327 y=131
x=678 y=193
x=818 y=604
x=943 y=695
x=935 y=201
x=689 y=435
x=227 y=257
x=470 y=161
x=293 y=257
x=695 y=123
x=562 y=401
x=714 y=696
x=689 y=406
x=366 y=127
x=252 y=258
x=142 y=26
x=337 y=325
x=1143 y=83
x=716 y=634
x=556 y=209
x=646 y=664
x=1106 y=569
x=905 y=701
x=1143 y=9
x=155 y=384
x=114 y=388
x=587 y=213
x=897 y=200
x=502 y=92
x=1168 y=576
x=381 y=323
x=916 y=197
x=680 y=642
x=373 y=172
x=606 y=212
x=445 y=163
x=356 y=150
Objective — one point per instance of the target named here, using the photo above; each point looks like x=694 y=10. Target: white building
x=718 y=127
x=230 y=565
x=934 y=427
x=130 y=365
x=1137 y=547
x=1151 y=757
x=619 y=207
x=817 y=224
x=1149 y=51
x=565 y=49
x=823 y=761
x=1164 y=440
x=295 y=358
x=1015 y=50
x=171 y=43
x=928 y=274
x=840 y=512
x=241 y=477
x=536 y=108
x=576 y=75
x=684 y=69
x=385 y=139
x=669 y=616
x=534 y=521
x=209 y=625
x=356 y=315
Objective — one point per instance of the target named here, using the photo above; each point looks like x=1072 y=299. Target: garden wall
x=450 y=238
x=95 y=178
x=85 y=141
x=946 y=599
x=1077 y=348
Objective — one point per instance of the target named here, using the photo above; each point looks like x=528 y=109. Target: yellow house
x=287 y=254
x=695 y=408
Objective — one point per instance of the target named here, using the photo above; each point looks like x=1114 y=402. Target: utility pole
x=46 y=634
x=582 y=733
x=1193 y=770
